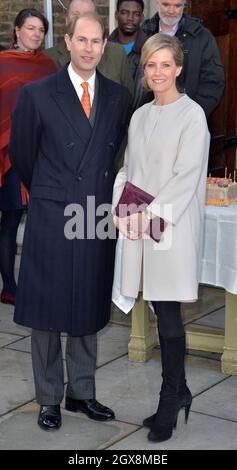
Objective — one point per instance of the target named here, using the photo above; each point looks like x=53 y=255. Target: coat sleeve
x=119 y=183
x=123 y=133
x=211 y=81
x=190 y=166
x=25 y=136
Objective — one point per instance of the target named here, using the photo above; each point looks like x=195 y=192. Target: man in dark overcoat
x=66 y=131
x=202 y=77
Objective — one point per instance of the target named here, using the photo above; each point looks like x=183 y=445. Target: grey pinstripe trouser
x=81 y=353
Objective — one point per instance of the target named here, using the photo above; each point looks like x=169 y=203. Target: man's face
x=86 y=46
x=170 y=11
x=78 y=8
x=129 y=17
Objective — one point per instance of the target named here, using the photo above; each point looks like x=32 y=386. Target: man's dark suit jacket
x=65 y=284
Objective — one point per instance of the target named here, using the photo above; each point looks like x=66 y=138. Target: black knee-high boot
x=174 y=393
x=173 y=350
x=184 y=394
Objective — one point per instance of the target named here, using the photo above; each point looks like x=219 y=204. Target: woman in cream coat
x=166 y=156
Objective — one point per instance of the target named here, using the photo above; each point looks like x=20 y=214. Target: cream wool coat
x=167 y=155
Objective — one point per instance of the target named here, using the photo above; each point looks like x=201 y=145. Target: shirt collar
x=172 y=32
x=77 y=80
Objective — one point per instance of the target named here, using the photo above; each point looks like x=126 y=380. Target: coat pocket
x=48 y=192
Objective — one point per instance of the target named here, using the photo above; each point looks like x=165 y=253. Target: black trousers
x=10 y=221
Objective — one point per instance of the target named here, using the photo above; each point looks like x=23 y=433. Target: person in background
x=129 y=15
x=202 y=77
x=113 y=64
x=166 y=156
x=2 y=48
x=21 y=64
x=75 y=121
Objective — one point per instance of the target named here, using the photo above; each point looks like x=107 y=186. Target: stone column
x=144 y=332
x=229 y=356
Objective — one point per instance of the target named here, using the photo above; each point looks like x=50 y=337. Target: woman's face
x=31 y=34
x=161 y=71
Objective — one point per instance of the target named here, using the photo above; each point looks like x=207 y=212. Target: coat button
x=78 y=177
x=70 y=145
x=111 y=145
x=106 y=173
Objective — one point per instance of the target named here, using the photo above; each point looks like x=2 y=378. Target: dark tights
x=170 y=324
x=10 y=221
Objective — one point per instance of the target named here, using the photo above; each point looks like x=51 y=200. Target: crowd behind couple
x=63 y=144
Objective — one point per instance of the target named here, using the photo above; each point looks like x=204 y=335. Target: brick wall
x=10 y=8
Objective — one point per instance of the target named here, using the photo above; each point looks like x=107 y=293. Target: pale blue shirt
x=172 y=32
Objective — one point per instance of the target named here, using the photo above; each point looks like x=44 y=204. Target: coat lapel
x=105 y=114
x=70 y=105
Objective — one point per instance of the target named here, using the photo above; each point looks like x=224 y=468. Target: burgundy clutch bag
x=133 y=200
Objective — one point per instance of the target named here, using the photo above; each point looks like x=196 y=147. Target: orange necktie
x=85 y=99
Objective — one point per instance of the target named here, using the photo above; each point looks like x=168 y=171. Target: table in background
x=219 y=268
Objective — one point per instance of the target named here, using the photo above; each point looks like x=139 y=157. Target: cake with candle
x=221 y=191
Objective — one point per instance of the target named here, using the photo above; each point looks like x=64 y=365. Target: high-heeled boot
x=165 y=420
x=184 y=394
x=185 y=398
x=185 y=401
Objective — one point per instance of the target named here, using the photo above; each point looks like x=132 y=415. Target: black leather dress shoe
x=92 y=408
x=49 y=417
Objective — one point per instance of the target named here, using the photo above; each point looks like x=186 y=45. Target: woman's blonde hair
x=157 y=42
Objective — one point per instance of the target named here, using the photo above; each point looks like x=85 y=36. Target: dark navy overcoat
x=64 y=282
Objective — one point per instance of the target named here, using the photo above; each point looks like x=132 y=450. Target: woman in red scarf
x=19 y=65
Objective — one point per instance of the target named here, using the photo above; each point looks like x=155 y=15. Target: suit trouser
x=81 y=353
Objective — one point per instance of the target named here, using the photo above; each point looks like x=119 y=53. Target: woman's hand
x=123 y=225
x=133 y=226
x=138 y=224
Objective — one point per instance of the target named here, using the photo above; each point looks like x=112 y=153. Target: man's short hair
x=90 y=15
x=140 y=2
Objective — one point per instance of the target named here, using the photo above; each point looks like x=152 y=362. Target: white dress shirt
x=77 y=81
